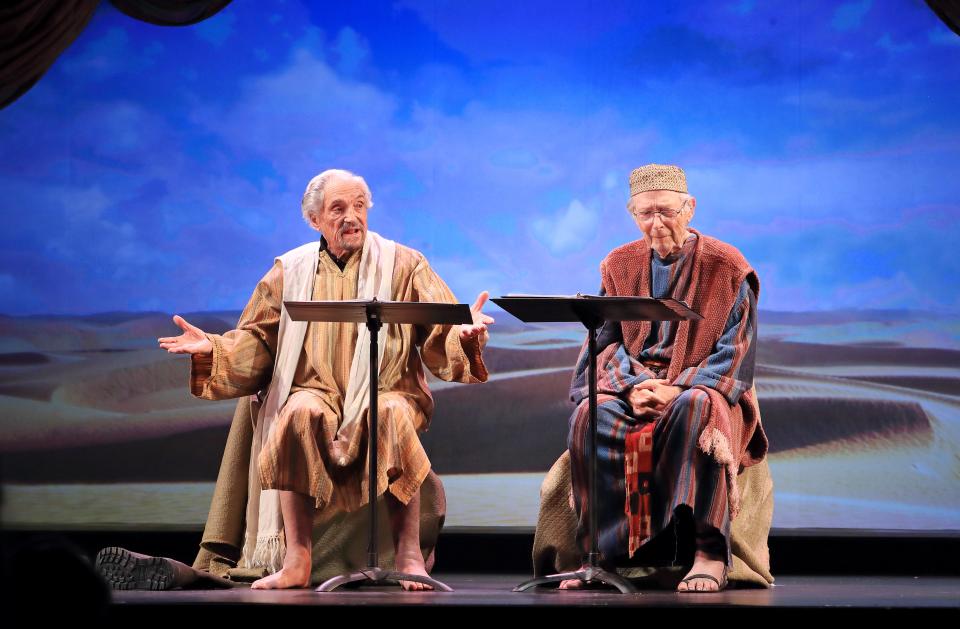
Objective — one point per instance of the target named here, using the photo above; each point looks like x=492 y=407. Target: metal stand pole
x=591 y=572
x=373 y=574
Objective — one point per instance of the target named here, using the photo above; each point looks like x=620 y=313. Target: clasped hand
x=650 y=397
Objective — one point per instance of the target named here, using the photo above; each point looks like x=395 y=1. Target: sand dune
x=511 y=424
x=178 y=457
x=860 y=424
x=133 y=388
x=948 y=386
x=99 y=332
x=101 y=398
x=506 y=360
x=774 y=352
x=90 y=399
x=517 y=422
x=44 y=426
x=20 y=359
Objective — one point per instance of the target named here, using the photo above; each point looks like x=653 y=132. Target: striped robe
x=301 y=451
x=683 y=476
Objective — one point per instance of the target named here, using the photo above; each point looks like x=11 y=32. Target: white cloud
x=305 y=117
x=352 y=50
x=568 y=230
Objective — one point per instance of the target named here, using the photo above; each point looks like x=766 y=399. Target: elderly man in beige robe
x=309 y=446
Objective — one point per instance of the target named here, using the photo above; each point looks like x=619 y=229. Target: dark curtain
x=170 y=12
x=33 y=33
x=948 y=11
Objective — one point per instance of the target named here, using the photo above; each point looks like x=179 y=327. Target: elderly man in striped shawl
x=308 y=451
x=677 y=414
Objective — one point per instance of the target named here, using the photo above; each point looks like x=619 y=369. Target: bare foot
x=405 y=522
x=294 y=574
x=704 y=563
x=573 y=584
x=411 y=562
x=284 y=579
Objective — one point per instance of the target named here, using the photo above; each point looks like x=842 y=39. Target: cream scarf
x=263 y=545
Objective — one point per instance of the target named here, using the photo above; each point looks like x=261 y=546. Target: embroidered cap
x=657 y=177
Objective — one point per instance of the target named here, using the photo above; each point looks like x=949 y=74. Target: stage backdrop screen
x=159 y=170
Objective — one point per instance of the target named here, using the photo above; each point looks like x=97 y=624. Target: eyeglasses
x=665 y=213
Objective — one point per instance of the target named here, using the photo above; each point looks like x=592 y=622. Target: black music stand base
x=587 y=576
x=379 y=576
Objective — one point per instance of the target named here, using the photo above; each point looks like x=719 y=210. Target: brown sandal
x=721 y=586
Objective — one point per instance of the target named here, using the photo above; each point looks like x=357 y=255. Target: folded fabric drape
x=948 y=11
x=33 y=33
x=170 y=12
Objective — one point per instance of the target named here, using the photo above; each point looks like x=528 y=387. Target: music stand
x=375 y=313
x=592 y=312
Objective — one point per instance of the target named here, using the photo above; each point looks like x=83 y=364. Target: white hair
x=313 y=195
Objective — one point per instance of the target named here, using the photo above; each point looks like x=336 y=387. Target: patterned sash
x=638 y=464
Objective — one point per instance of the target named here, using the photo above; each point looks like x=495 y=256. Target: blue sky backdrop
x=161 y=168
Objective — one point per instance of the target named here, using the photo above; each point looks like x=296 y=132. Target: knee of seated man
x=302 y=416
x=687 y=413
x=608 y=409
x=690 y=399
x=398 y=410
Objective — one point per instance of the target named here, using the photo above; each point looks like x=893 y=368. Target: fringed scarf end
x=269 y=553
x=713 y=443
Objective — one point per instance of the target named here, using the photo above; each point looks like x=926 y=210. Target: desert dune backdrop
x=99 y=431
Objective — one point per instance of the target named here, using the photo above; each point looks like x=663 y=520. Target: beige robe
x=339 y=539
x=302 y=451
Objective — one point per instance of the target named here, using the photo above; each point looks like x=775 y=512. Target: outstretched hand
x=480 y=320
x=192 y=341
x=650 y=397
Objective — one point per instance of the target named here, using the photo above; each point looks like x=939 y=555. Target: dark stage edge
x=491 y=593
x=487 y=551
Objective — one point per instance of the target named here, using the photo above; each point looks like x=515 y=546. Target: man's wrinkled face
x=662 y=216
x=343 y=218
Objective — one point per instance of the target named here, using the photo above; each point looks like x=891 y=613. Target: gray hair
x=313 y=195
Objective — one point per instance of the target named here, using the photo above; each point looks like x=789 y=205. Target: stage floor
x=796 y=593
